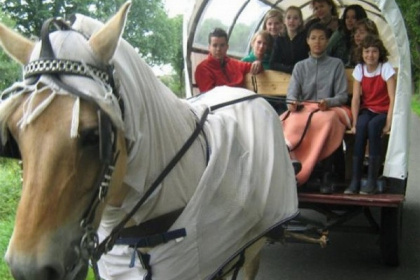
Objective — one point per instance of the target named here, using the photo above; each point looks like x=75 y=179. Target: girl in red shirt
x=372 y=107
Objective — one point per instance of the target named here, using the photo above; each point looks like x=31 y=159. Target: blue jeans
x=369 y=127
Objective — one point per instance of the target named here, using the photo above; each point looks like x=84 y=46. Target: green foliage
x=202 y=36
x=410 y=10
x=9 y=187
x=177 y=58
x=240 y=34
x=10 y=70
x=146 y=28
x=10 y=193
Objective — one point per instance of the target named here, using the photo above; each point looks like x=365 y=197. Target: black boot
x=326 y=183
x=373 y=170
x=354 y=186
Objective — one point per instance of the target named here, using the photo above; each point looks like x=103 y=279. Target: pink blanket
x=324 y=135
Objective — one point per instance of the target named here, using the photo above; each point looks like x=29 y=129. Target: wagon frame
x=337 y=208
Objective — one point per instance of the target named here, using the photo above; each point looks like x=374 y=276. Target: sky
x=175 y=7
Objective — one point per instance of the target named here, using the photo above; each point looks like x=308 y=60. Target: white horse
x=234 y=183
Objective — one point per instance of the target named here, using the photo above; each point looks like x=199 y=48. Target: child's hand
x=386 y=129
x=323 y=105
x=292 y=106
x=256 y=67
x=353 y=130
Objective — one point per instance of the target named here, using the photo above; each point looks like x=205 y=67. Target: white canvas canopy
x=241 y=18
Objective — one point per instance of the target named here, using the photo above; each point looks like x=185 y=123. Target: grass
x=10 y=193
x=415 y=100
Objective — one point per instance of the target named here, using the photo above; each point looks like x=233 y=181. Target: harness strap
x=153 y=226
x=152 y=240
x=145 y=263
x=109 y=241
x=235 y=268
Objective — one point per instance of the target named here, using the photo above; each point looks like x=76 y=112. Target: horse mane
x=7 y=107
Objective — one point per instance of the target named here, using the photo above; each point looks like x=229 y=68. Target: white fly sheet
x=248 y=185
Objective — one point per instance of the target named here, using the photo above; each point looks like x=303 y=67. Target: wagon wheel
x=391 y=227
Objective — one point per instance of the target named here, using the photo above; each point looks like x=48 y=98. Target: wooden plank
x=269 y=82
x=272 y=82
x=375 y=200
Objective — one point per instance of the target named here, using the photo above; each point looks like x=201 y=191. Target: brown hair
x=375 y=42
x=334 y=10
x=299 y=11
x=368 y=24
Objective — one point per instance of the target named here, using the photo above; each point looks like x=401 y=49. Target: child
x=340 y=42
x=361 y=29
x=321 y=81
x=261 y=45
x=291 y=47
x=372 y=106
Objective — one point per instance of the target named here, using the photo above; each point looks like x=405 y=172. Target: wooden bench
x=272 y=82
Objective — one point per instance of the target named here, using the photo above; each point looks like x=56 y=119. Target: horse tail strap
x=107 y=244
x=305 y=130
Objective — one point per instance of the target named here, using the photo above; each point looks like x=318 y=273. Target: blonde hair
x=265 y=35
x=272 y=13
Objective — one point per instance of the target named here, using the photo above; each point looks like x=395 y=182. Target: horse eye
x=89 y=138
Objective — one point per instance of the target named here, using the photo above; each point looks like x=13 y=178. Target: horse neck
x=164 y=124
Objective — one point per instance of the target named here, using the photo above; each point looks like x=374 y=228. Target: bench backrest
x=272 y=82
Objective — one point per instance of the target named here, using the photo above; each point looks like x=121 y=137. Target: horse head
x=67 y=142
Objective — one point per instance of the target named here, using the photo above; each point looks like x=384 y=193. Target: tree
x=411 y=14
x=9 y=69
x=146 y=27
x=177 y=58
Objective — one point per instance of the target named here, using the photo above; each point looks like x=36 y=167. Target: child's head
x=273 y=22
x=324 y=8
x=218 y=43
x=317 y=39
x=372 y=51
x=261 y=42
x=351 y=15
x=362 y=28
x=293 y=19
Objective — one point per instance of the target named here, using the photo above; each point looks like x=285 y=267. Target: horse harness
x=138 y=236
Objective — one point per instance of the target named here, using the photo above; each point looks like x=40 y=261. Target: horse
x=116 y=168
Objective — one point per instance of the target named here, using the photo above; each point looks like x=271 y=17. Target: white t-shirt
x=385 y=69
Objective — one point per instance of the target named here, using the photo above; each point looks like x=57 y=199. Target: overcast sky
x=175 y=7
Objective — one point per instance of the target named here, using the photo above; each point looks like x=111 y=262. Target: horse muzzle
x=67 y=266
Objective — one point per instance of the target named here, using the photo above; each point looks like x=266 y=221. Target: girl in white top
x=372 y=106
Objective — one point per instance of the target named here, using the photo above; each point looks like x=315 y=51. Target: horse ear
x=15 y=45
x=104 y=42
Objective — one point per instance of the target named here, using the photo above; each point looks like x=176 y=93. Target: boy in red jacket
x=219 y=69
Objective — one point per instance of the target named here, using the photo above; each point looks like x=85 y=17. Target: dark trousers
x=369 y=127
